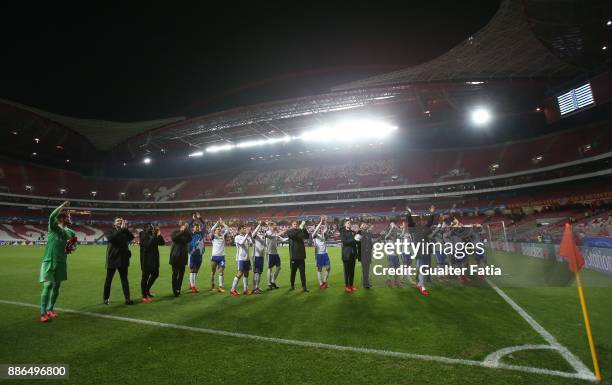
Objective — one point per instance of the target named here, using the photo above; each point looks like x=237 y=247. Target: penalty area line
x=317 y=345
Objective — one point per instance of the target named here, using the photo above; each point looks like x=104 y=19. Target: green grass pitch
x=466 y=322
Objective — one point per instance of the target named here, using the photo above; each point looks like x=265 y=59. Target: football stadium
x=441 y=217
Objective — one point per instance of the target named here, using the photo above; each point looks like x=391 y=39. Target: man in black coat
x=179 y=254
x=349 y=255
x=365 y=244
x=150 y=240
x=297 y=252
x=118 y=258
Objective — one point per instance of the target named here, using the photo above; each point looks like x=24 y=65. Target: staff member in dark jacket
x=421 y=232
x=179 y=256
x=297 y=252
x=118 y=258
x=150 y=240
x=366 y=242
x=349 y=255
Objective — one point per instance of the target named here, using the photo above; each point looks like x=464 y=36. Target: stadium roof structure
x=519 y=54
x=506 y=48
x=97 y=131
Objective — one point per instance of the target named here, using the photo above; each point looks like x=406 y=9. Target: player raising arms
x=321 y=256
x=53 y=270
x=217 y=258
x=272 y=238
x=392 y=235
x=196 y=249
x=243 y=241
x=259 y=239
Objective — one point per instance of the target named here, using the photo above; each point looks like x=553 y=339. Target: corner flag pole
x=570 y=251
x=587 y=325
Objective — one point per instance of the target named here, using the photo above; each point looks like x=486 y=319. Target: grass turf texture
x=457 y=321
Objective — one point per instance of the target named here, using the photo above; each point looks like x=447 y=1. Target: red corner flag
x=575 y=261
x=570 y=251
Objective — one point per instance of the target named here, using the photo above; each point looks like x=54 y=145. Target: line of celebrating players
x=188 y=250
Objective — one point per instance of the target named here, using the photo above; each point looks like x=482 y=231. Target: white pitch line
x=574 y=361
x=494 y=359
x=318 y=345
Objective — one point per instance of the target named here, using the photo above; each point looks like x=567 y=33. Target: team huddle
x=253 y=245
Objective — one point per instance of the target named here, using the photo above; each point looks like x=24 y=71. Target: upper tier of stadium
x=516 y=63
x=315 y=172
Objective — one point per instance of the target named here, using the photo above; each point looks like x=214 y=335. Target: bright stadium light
x=197 y=153
x=481 y=116
x=223 y=147
x=146 y=160
x=248 y=144
x=384 y=97
x=343 y=131
x=262 y=142
x=350 y=131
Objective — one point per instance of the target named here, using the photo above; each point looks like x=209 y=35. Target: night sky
x=130 y=62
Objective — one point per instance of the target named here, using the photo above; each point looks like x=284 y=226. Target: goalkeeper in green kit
x=61 y=241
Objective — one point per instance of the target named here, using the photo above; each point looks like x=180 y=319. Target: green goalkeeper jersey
x=54 y=260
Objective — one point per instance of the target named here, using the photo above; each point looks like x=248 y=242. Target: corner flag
x=570 y=251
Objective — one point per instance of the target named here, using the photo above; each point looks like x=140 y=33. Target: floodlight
x=481 y=116
x=349 y=131
x=223 y=147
